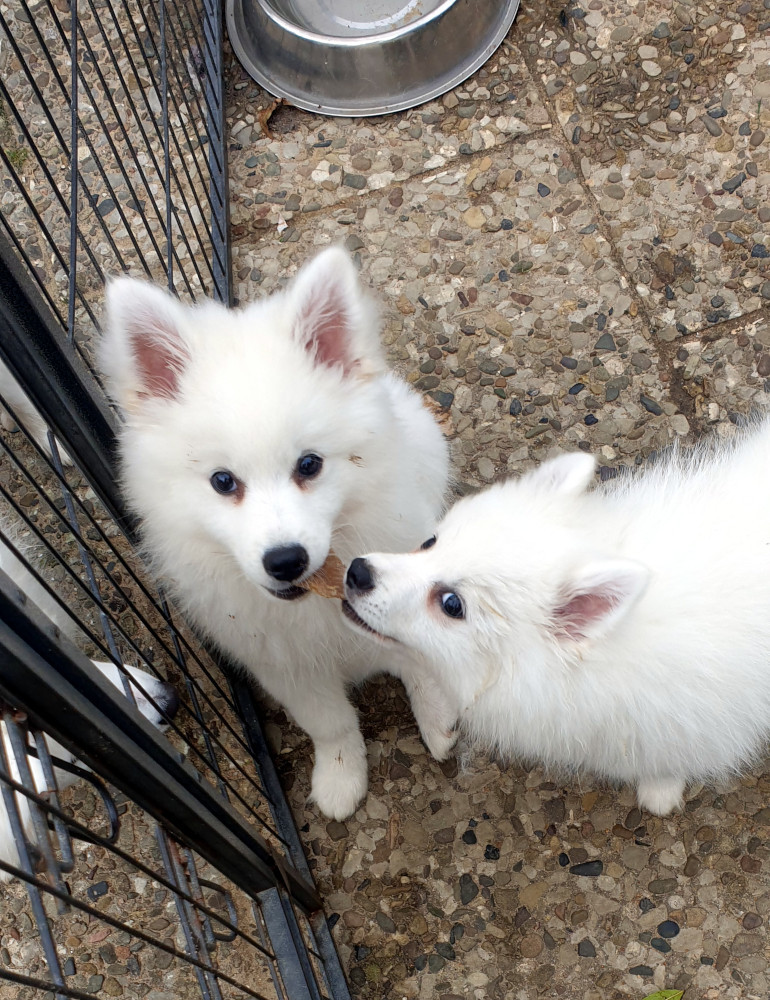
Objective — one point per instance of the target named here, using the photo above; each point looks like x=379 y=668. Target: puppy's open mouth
x=290 y=593
x=350 y=613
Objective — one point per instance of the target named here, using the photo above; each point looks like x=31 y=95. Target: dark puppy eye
x=452 y=605
x=429 y=542
x=224 y=482
x=309 y=466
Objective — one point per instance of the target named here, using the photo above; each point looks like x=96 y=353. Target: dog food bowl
x=365 y=57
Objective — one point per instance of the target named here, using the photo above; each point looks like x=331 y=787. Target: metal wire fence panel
x=111 y=149
x=172 y=867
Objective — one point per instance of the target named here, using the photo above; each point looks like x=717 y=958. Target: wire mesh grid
x=123 y=99
x=112 y=158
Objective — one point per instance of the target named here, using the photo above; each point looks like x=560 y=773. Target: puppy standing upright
x=625 y=631
x=256 y=441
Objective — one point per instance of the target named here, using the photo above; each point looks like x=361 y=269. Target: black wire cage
x=133 y=861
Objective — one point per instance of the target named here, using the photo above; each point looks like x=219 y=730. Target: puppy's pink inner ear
x=159 y=356
x=580 y=613
x=324 y=328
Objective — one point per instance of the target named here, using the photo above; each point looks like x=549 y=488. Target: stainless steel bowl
x=365 y=57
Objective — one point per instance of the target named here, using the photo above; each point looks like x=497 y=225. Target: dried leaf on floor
x=441 y=415
x=264 y=116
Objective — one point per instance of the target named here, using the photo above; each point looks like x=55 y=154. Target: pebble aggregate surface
x=571 y=249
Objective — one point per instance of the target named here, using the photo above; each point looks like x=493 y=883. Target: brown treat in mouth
x=329 y=580
x=441 y=415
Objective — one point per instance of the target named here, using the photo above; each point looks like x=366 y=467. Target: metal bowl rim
x=352 y=41
x=414 y=99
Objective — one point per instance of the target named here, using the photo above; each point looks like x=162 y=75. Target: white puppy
x=155 y=699
x=624 y=631
x=256 y=441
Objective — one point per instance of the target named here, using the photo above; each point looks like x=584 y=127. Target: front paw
x=440 y=742
x=339 y=782
x=8 y=424
x=660 y=796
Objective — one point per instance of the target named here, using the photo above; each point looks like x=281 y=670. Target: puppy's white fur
x=250 y=391
x=624 y=630
x=14 y=396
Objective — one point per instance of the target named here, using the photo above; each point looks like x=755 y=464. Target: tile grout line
x=362 y=199
x=666 y=351
x=617 y=258
x=714 y=331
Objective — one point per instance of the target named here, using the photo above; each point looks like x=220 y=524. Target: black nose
x=286 y=563
x=167 y=700
x=360 y=577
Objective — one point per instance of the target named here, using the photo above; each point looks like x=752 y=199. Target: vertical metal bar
x=179 y=103
x=25 y=863
x=193 y=694
x=332 y=967
x=18 y=743
x=261 y=925
x=67 y=862
x=243 y=699
x=197 y=893
x=195 y=948
x=73 y=170
x=166 y=149
x=293 y=965
x=93 y=586
x=213 y=56
x=178 y=167
x=139 y=115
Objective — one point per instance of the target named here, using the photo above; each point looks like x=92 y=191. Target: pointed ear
x=332 y=318
x=143 y=351
x=597 y=597
x=568 y=474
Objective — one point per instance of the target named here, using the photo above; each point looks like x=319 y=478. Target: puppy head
x=248 y=432
x=507 y=583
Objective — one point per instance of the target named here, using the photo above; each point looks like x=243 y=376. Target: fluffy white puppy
x=256 y=442
x=624 y=631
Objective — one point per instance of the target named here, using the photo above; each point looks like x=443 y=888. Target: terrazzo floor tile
x=568 y=282
x=664 y=111
x=297 y=163
x=466 y=265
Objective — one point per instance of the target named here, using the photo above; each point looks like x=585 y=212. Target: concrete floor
x=591 y=207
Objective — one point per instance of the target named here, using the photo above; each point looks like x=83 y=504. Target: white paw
x=340 y=781
x=66 y=458
x=440 y=742
x=8 y=423
x=64 y=455
x=661 y=796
